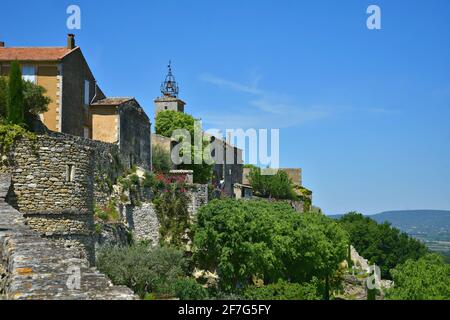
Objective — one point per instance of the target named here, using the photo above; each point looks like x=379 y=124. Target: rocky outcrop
x=37 y=268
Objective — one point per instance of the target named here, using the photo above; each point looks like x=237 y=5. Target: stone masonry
x=36 y=268
x=54 y=186
x=143 y=220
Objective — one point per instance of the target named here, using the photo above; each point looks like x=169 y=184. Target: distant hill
x=429 y=226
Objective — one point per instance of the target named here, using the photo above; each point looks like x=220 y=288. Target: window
x=29 y=73
x=70 y=173
x=86 y=93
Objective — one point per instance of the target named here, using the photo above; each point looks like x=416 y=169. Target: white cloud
x=271 y=110
x=263 y=110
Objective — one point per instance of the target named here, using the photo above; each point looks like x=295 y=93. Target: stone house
x=77 y=99
x=65 y=74
x=122 y=121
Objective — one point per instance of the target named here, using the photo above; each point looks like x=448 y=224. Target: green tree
x=278 y=186
x=3 y=96
x=15 y=106
x=425 y=279
x=167 y=122
x=244 y=240
x=35 y=100
x=381 y=243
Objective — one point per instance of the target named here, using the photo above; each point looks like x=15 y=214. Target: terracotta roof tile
x=34 y=54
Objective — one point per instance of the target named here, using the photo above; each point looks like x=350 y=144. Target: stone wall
x=115 y=234
x=134 y=136
x=143 y=220
x=55 y=181
x=36 y=268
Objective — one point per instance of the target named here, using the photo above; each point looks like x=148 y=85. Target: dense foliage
x=143 y=269
x=171 y=204
x=21 y=100
x=248 y=240
x=15 y=105
x=161 y=161
x=169 y=121
x=3 y=96
x=381 y=243
x=278 y=186
x=283 y=290
x=10 y=133
x=425 y=279
x=34 y=99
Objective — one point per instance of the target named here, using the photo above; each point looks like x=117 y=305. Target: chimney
x=2 y=44
x=70 y=41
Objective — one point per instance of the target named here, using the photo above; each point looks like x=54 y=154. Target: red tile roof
x=34 y=54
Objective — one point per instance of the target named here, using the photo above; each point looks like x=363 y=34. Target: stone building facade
x=124 y=122
x=79 y=107
x=65 y=74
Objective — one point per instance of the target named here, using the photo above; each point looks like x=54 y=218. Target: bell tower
x=169 y=98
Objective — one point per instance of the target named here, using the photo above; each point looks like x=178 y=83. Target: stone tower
x=169 y=98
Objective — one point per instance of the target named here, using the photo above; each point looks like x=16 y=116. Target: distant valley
x=430 y=226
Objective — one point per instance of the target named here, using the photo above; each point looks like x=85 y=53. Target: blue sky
x=366 y=114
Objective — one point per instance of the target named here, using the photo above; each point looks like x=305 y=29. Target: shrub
x=283 y=290
x=172 y=210
x=161 y=160
x=189 y=289
x=108 y=213
x=3 y=96
x=278 y=186
x=10 y=133
x=143 y=269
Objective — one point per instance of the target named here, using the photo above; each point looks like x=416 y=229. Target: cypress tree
x=15 y=107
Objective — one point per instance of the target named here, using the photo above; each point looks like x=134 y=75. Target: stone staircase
x=35 y=268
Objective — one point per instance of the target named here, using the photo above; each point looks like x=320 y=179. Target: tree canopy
x=278 y=186
x=244 y=240
x=425 y=279
x=381 y=244
x=21 y=100
x=167 y=122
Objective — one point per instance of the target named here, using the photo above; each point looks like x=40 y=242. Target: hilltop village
x=85 y=179
x=92 y=205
